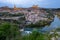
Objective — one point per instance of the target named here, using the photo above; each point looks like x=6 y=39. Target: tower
x=15 y=7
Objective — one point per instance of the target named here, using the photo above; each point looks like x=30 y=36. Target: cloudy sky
x=29 y=3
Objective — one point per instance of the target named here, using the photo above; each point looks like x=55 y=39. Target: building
x=17 y=9
x=35 y=6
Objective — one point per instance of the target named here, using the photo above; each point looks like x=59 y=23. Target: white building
x=35 y=16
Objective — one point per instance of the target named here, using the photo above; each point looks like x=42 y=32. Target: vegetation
x=39 y=24
x=17 y=14
x=6 y=14
x=9 y=31
x=3 y=13
x=50 y=15
x=34 y=36
x=58 y=29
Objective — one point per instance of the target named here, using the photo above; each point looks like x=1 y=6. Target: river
x=55 y=24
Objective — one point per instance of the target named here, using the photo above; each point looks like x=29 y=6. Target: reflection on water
x=55 y=24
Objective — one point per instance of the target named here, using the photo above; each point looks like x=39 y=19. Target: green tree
x=34 y=36
x=9 y=31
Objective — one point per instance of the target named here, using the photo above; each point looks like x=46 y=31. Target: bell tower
x=15 y=7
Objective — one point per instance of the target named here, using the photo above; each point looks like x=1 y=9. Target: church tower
x=15 y=7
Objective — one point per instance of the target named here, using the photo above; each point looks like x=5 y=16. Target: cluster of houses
x=32 y=14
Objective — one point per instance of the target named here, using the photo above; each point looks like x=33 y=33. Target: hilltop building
x=17 y=9
x=35 y=6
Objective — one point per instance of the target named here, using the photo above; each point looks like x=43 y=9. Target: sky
x=29 y=3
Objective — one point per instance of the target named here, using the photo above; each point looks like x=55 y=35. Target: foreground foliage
x=9 y=31
x=34 y=36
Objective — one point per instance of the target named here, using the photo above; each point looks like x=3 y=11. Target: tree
x=34 y=36
x=39 y=24
x=9 y=31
